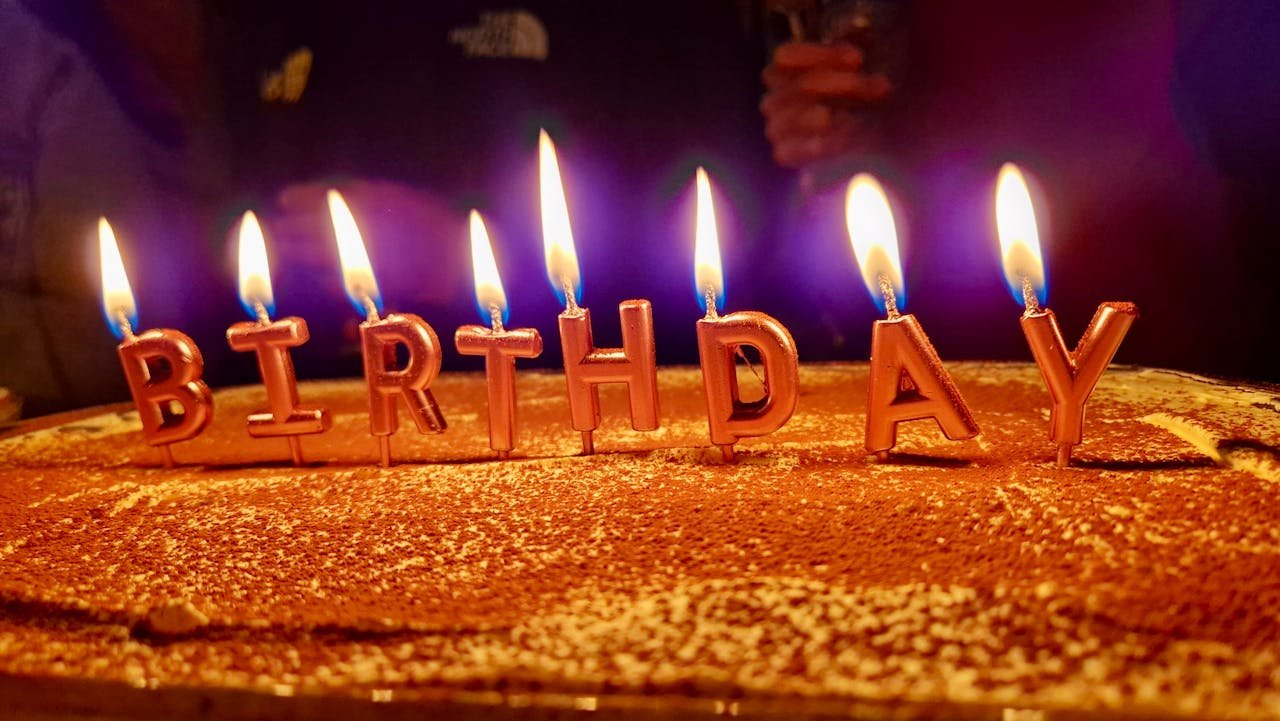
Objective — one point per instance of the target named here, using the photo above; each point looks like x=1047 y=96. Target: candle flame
x=117 y=295
x=708 y=276
x=874 y=236
x=1019 y=236
x=484 y=267
x=357 y=272
x=255 y=273
x=557 y=234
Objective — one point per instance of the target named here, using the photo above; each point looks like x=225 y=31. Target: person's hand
x=814 y=94
x=415 y=241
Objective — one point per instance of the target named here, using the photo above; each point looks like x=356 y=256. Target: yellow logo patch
x=287 y=84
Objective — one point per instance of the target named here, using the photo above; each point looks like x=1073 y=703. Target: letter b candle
x=162 y=366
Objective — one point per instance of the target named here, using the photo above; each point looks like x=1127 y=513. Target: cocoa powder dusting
x=1144 y=579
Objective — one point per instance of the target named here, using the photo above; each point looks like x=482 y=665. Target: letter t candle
x=908 y=381
x=379 y=338
x=499 y=346
x=162 y=366
x=585 y=366
x=271 y=341
x=720 y=339
x=1070 y=375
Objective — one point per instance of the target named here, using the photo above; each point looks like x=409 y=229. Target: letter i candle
x=908 y=381
x=499 y=346
x=271 y=341
x=162 y=366
x=1070 y=375
x=720 y=338
x=380 y=336
x=585 y=366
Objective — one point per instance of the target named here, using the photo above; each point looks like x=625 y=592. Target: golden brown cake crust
x=1145 y=579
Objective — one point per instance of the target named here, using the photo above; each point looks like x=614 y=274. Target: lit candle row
x=907 y=379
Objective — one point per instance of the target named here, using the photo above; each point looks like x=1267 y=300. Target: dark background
x=1152 y=129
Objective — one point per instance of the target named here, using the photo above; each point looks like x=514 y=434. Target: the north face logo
x=505 y=34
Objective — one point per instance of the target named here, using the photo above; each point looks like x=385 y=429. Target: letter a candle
x=379 y=338
x=1070 y=374
x=908 y=381
x=585 y=366
x=162 y=366
x=720 y=338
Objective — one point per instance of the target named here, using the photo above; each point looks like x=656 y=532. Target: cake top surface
x=1144 y=579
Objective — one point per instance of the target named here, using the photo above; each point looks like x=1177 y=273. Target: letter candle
x=585 y=366
x=379 y=338
x=271 y=341
x=908 y=381
x=1069 y=375
x=499 y=346
x=162 y=366
x=720 y=338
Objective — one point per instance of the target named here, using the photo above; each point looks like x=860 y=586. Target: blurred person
x=172 y=117
x=829 y=77
x=83 y=135
x=1153 y=127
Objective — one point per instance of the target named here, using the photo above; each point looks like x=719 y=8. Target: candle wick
x=126 y=328
x=260 y=310
x=370 y=308
x=1029 y=298
x=570 y=298
x=890 y=298
x=796 y=26
x=712 y=311
x=495 y=317
x=764 y=381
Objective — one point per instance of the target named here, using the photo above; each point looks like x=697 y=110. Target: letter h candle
x=585 y=366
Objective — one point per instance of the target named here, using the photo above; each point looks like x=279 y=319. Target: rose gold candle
x=585 y=366
x=163 y=367
x=380 y=337
x=907 y=379
x=270 y=341
x=1070 y=375
x=721 y=338
x=499 y=345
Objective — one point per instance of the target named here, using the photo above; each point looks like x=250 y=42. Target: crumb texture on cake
x=1145 y=579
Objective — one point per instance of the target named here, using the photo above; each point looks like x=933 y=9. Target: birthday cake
x=806 y=578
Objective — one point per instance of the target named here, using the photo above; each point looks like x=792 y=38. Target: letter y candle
x=1070 y=375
